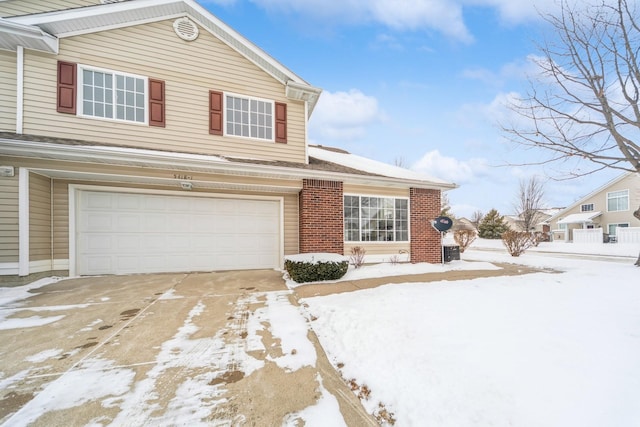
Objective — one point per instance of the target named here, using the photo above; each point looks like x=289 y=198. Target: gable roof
x=346 y=159
x=581 y=218
x=90 y=19
x=588 y=196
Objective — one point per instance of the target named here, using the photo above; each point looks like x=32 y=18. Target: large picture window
x=249 y=117
x=618 y=201
x=112 y=95
x=376 y=219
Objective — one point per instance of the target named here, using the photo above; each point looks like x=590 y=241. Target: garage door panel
x=128 y=222
x=98 y=222
x=98 y=201
x=139 y=233
x=127 y=202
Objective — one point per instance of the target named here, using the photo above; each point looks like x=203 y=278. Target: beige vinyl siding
x=7 y=91
x=60 y=206
x=190 y=70
x=39 y=217
x=9 y=242
x=291 y=221
x=24 y=7
x=599 y=201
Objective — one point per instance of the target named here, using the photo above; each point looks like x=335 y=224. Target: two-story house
x=607 y=211
x=148 y=136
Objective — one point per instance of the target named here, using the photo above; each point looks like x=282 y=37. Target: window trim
x=619 y=191
x=582 y=206
x=225 y=120
x=377 y=242
x=80 y=98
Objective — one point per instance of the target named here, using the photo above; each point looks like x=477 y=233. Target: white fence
x=628 y=234
x=589 y=235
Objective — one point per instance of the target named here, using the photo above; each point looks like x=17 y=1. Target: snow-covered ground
x=544 y=349
x=559 y=348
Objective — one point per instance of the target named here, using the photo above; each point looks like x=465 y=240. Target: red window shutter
x=66 y=87
x=281 y=122
x=215 y=113
x=156 y=103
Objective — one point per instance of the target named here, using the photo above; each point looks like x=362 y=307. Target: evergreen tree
x=492 y=225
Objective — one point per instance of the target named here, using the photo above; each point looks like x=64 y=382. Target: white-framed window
x=562 y=226
x=587 y=207
x=618 y=201
x=249 y=117
x=376 y=219
x=112 y=95
x=613 y=228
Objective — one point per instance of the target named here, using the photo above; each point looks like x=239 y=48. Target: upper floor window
x=618 y=201
x=249 y=117
x=376 y=219
x=112 y=95
x=586 y=207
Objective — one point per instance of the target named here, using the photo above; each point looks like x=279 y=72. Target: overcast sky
x=421 y=81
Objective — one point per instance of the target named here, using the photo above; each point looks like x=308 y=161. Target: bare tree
x=399 y=161
x=445 y=206
x=476 y=218
x=586 y=103
x=529 y=202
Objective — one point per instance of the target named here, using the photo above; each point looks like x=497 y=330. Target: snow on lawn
x=544 y=349
x=610 y=249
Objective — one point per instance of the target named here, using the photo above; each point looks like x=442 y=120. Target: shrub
x=517 y=242
x=312 y=270
x=464 y=238
x=357 y=256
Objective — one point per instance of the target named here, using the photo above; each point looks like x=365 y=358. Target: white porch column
x=23 y=222
x=19 y=89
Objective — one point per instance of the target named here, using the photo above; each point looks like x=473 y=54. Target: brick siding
x=321 y=216
x=425 y=240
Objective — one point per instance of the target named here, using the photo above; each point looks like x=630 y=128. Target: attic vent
x=186 y=29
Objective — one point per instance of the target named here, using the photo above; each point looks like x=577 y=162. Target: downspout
x=19 y=89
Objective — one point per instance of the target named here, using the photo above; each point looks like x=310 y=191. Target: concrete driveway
x=230 y=349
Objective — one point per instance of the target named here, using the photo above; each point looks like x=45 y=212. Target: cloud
x=443 y=16
x=408 y=15
x=344 y=115
x=449 y=169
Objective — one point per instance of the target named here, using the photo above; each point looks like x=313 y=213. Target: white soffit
x=13 y=34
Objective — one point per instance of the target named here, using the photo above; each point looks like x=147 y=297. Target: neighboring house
x=148 y=136
x=540 y=220
x=605 y=211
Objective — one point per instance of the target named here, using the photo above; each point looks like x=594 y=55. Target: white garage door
x=121 y=233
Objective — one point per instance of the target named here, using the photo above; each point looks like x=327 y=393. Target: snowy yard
x=545 y=349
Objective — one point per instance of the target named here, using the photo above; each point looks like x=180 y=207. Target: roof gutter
x=14 y=34
x=193 y=162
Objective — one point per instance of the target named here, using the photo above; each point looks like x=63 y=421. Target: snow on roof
x=371 y=166
x=579 y=218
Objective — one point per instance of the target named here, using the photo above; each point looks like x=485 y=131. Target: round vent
x=186 y=29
